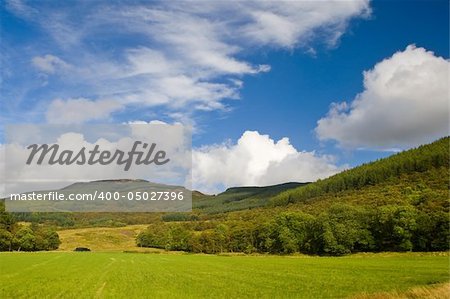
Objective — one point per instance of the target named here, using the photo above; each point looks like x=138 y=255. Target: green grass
x=137 y=275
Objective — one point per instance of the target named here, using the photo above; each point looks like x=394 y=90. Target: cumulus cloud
x=173 y=139
x=405 y=102
x=184 y=56
x=76 y=111
x=256 y=160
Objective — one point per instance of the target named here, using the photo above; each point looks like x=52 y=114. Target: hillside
x=391 y=169
x=240 y=198
x=400 y=203
x=100 y=238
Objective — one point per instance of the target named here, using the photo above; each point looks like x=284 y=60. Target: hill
x=399 y=203
x=418 y=160
x=233 y=199
x=240 y=198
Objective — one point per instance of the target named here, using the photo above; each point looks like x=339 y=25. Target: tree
x=394 y=227
x=5 y=240
x=178 y=238
x=46 y=239
x=24 y=239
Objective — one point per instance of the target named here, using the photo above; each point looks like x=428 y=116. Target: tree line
x=339 y=230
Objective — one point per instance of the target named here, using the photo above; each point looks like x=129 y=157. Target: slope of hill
x=100 y=239
x=418 y=160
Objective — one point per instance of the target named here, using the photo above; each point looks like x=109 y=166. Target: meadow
x=179 y=275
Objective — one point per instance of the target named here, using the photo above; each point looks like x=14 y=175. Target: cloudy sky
x=274 y=91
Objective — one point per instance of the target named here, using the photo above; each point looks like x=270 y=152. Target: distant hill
x=233 y=199
x=113 y=195
x=119 y=185
x=265 y=190
x=240 y=198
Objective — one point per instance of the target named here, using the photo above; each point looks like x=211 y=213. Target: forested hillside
x=400 y=203
x=418 y=160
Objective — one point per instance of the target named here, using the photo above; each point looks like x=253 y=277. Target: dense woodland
x=418 y=160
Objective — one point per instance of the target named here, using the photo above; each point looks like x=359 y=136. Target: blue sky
x=299 y=88
x=271 y=69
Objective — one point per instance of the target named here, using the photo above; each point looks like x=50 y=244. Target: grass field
x=168 y=275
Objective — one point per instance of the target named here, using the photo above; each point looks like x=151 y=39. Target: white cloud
x=256 y=160
x=173 y=139
x=49 y=64
x=288 y=24
x=143 y=122
x=184 y=56
x=405 y=102
x=76 y=111
x=148 y=61
x=20 y=8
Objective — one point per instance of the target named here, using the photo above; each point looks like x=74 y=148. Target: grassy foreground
x=138 y=275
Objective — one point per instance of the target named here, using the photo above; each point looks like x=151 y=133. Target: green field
x=169 y=275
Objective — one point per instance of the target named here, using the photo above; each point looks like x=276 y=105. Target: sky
x=275 y=91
